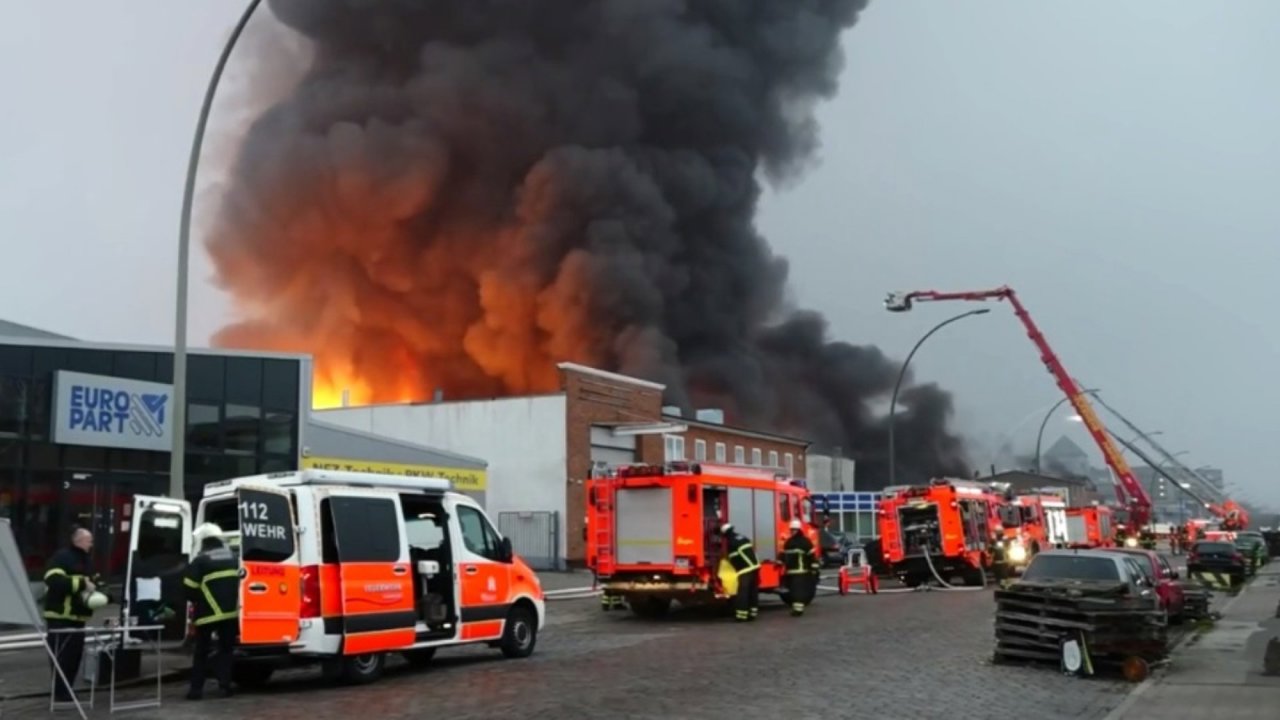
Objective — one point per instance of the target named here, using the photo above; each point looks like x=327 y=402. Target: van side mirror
x=508 y=554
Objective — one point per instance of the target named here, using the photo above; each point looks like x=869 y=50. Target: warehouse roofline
x=606 y=375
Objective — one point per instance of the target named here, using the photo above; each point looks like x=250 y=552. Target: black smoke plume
x=461 y=193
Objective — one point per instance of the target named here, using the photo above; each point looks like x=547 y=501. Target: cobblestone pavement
x=913 y=655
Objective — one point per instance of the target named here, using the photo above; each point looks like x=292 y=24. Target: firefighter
x=801 y=562
x=70 y=584
x=742 y=556
x=213 y=588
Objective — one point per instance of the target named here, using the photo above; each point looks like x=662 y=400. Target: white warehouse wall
x=523 y=439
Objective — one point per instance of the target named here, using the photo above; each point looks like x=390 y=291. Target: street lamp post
x=902 y=373
x=177 y=455
x=1045 y=422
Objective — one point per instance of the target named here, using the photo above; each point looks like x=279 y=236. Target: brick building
x=541 y=448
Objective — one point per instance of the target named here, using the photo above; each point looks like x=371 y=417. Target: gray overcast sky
x=1116 y=163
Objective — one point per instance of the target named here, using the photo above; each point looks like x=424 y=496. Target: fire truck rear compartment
x=920 y=529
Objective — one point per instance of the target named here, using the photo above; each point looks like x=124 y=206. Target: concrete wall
x=523 y=440
x=830 y=474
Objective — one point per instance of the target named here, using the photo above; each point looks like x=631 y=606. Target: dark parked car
x=1254 y=550
x=1219 y=557
x=835 y=548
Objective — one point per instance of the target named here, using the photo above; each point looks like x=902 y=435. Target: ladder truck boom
x=1129 y=491
x=1232 y=515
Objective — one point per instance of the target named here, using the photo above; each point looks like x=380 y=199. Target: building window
x=674 y=447
x=700 y=450
x=722 y=453
x=773 y=458
x=739 y=455
x=755 y=457
x=789 y=462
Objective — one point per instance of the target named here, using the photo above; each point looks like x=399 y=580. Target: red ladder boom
x=1129 y=491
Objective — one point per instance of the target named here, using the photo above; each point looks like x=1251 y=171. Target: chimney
x=672 y=410
x=346 y=397
x=714 y=416
x=438 y=395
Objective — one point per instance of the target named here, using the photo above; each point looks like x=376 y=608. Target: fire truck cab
x=652 y=530
x=1034 y=522
x=342 y=568
x=947 y=528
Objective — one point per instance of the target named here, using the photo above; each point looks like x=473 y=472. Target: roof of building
x=736 y=430
x=1065 y=448
x=606 y=375
x=1027 y=480
x=41 y=338
x=328 y=440
x=18 y=330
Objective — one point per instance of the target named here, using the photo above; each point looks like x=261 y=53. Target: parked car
x=1093 y=572
x=1221 y=557
x=1163 y=578
x=1254 y=549
x=835 y=548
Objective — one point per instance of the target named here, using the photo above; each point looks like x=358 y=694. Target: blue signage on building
x=105 y=411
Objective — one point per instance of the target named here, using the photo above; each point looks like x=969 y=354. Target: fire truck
x=652 y=530
x=1033 y=523
x=948 y=528
x=1090 y=527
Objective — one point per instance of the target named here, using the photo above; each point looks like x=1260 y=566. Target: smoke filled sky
x=1115 y=167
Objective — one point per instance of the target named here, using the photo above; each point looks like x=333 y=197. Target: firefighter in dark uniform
x=800 y=561
x=69 y=581
x=742 y=556
x=213 y=587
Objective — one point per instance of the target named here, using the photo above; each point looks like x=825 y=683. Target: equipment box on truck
x=342 y=568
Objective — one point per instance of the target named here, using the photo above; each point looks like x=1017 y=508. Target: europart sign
x=104 y=411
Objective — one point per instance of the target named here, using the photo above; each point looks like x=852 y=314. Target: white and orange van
x=342 y=568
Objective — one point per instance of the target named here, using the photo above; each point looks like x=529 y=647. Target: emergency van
x=342 y=568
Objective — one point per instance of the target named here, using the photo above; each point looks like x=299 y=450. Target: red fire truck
x=1090 y=527
x=1031 y=524
x=948 y=527
x=651 y=530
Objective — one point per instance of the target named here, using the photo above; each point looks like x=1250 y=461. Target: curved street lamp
x=177 y=455
x=1043 y=423
x=902 y=372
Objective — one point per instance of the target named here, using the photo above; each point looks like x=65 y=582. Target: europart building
x=86 y=426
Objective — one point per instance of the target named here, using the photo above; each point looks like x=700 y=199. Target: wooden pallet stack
x=1033 y=619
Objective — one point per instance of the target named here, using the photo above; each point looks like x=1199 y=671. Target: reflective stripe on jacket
x=64 y=583
x=742 y=554
x=798 y=555
x=212 y=581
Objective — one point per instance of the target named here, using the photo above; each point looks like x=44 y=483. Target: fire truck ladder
x=1221 y=505
x=1129 y=491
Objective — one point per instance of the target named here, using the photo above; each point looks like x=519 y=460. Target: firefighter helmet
x=795 y=525
x=726 y=528
x=205 y=531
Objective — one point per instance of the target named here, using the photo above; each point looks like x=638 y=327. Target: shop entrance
x=103 y=503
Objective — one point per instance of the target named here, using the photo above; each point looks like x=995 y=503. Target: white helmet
x=206 y=531
x=95 y=600
x=796 y=525
x=726 y=528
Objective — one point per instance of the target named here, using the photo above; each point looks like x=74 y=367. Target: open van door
x=159 y=549
x=270 y=578
x=378 y=595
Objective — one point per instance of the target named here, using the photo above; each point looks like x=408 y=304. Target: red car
x=1162 y=576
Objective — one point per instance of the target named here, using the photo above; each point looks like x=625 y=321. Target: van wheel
x=419 y=658
x=520 y=634
x=251 y=675
x=363 y=669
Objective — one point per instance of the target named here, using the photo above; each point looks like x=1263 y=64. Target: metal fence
x=535 y=536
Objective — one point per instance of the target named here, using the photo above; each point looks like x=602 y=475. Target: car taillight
x=310 y=592
x=1238 y=557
